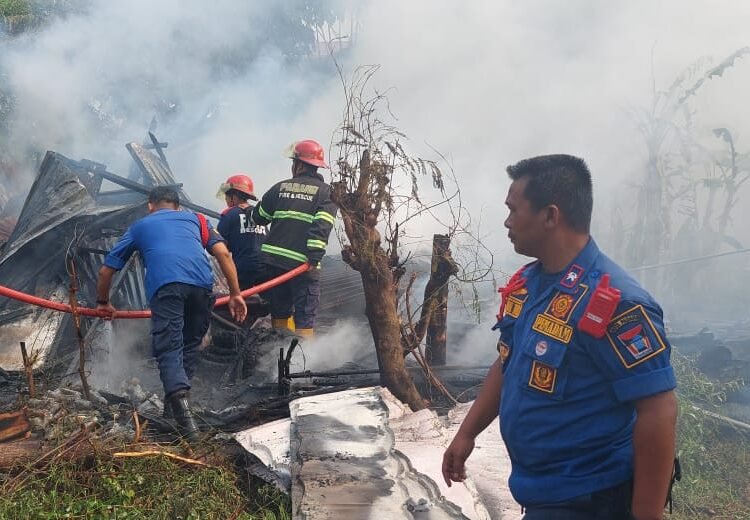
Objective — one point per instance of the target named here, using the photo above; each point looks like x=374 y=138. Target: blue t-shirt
x=568 y=399
x=169 y=242
x=244 y=239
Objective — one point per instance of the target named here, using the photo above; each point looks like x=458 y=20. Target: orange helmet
x=238 y=182
x=308 y=151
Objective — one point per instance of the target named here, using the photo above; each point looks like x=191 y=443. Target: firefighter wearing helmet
x=243 y=236
x=301 y=215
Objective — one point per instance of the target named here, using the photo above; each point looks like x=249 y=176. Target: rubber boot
x=305 y=333
x=183 y=415
x=167 y=413
x=283 y=323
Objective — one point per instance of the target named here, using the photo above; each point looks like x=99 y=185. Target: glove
x=314 y=256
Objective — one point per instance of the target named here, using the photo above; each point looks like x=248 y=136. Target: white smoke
x=487 y=83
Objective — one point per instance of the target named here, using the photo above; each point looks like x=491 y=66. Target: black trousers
x=608 y=504
x=298 y=297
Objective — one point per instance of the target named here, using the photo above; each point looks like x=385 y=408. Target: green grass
x=100 y=487
x=715 y=457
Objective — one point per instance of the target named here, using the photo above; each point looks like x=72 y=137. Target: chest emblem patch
x=561 y=306
x=542 y=377
x=541 y=348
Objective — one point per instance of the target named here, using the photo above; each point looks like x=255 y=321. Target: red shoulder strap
x=204 y=228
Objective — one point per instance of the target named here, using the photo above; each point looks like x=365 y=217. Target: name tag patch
x=553 y=328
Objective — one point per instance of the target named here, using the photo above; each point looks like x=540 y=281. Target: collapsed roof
x=70 y=213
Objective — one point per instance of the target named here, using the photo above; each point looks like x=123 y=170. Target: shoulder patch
x=634 y=337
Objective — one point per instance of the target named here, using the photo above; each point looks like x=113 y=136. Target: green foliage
x=715 y=456
x=14 y=8
x=151 y=488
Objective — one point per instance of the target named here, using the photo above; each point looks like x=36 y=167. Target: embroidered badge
x=572 y=276
x=542 y=377
x=541 y=348
x=514 y=304
x=504 y=349
x=561 y=306
x=553 y=328
x=637 y=343
x=634 y=337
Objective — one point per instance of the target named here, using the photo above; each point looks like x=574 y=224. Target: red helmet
x=310 y=152
x=238 y=182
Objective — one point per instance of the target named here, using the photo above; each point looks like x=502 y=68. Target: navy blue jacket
x=244 y=239
x=568 y=400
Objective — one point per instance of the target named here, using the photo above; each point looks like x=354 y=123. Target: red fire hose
x=84 y=311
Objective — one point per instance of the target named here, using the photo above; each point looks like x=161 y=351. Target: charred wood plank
x=13 y=425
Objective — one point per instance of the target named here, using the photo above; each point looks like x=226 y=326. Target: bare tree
x=673 y=151
x=376 y=186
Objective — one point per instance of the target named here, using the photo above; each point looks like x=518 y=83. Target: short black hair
x=562 y=180
x=164 y=194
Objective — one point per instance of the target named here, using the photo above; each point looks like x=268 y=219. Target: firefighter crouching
x=301 y=215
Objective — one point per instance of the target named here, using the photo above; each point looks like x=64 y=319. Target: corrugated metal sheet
x=344 y=464
x=362 y=454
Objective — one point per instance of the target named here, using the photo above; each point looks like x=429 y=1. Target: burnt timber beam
x=141 y=188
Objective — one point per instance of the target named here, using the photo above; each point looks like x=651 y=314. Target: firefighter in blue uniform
x=243 y=236
x=301 y=215
x=179 y=281
x=588 y=410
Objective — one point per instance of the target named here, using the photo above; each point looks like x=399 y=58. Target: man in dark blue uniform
x=179 y=281
x=588 y=410
x=243 y=236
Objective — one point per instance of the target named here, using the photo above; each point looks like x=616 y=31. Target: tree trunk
x=366 y=255
x=384 y=324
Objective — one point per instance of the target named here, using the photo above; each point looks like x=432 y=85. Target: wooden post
x=437 y=331
x=28 y=369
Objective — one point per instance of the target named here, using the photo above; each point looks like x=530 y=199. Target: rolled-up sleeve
x=120 y=254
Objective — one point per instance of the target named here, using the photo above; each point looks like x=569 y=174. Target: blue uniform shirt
x=169 y=242
x=244 y=239
x=567 y=410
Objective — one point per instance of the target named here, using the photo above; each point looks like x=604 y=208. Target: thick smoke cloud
x=486 y=83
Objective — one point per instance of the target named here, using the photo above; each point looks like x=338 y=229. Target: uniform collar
x=315 y=175
x=578 y=268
